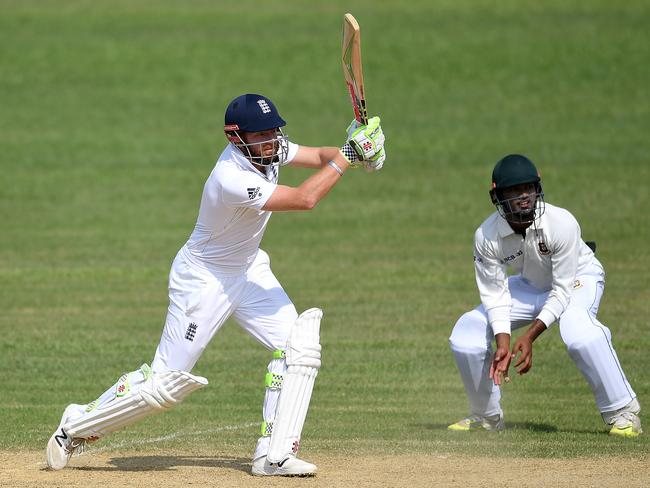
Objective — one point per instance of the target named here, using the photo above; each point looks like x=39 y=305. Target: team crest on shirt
x=577 y=284
x=253 y=193
x=543 y=250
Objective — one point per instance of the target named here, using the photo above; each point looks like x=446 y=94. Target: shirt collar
x=503 y=227
x=238 y=156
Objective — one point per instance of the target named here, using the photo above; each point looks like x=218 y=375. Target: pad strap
x=160 y=391
x=267 y=428
x=273 y=380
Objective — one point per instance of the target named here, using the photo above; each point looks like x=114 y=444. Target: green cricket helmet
x=511 y=171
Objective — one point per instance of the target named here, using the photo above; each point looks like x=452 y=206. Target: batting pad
x=160 y=391
x=303 y=361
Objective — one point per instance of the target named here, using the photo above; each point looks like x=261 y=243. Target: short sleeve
x=245 y=189
x=292 y=150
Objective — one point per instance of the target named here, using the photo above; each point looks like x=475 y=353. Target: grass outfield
x=110 y=121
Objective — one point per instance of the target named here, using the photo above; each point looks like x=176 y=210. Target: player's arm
x=492 y=282
x=313 y=157
x=307 y=195
x=565 y=251
x=364 y=143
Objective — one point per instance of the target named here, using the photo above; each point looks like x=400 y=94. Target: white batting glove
x=348 y=152
x=365 y=142
x=376 y=163
x=354 y=125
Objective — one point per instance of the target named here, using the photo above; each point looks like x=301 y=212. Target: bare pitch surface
x=176 y=469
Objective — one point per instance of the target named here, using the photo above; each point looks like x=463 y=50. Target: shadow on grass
x=163 y=463
x=532 y=426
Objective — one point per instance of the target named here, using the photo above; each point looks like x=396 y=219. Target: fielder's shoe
x=476 y=422
x=61 y=447
x=292 y=466
x=625 y=421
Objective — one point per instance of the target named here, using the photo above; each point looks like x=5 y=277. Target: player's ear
x=231 y=132
x=493 y=196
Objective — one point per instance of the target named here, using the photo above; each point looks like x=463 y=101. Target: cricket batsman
x=557 y=279
x=221 y=272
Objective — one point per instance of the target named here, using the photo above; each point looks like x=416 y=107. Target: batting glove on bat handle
x=354 y=125
x=350 y=154
x=367 y=140
x=376 y=163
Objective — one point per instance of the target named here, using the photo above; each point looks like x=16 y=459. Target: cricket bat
x=351 y=54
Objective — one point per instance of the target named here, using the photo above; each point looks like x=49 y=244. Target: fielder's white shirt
x=231 y=221
x=549 y=258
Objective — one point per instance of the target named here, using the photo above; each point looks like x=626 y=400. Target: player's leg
x=194 y=302
x=589 y=344
x=135 y=395
x=199 y=304
x=471 y=342
x=267 y=313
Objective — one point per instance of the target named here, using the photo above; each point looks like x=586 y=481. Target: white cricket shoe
x=625 y=422
x=291 y=466
x=61 y=447
x=492 y=423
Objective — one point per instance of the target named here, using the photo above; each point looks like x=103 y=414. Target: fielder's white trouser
x=588 y=342
x=201 y=300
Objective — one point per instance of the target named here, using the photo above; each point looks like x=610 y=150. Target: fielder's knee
x=470 y=333
x=578 y=326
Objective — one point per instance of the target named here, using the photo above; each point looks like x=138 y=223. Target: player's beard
x=268 y=157
x=255 y=154
x=514 y=213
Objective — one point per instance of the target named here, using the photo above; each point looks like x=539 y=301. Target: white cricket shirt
x=549 y=258
x=231 y=221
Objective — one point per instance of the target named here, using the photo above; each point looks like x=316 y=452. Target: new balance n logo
x=253 y=193
x=264 y=106
x=191 y=331
x=60 y=438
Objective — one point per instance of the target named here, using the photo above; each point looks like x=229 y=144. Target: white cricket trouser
x=200 y=301
x=588 y=342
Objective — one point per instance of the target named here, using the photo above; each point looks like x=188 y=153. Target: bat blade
x=352 y=71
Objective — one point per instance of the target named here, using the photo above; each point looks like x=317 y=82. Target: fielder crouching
x=558 y=279
x=222 y=272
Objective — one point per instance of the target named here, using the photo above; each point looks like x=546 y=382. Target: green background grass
x=111 y=119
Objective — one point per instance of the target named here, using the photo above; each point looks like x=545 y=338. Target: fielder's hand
x=501 y=360
x=524 y=346
x=365 y=143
